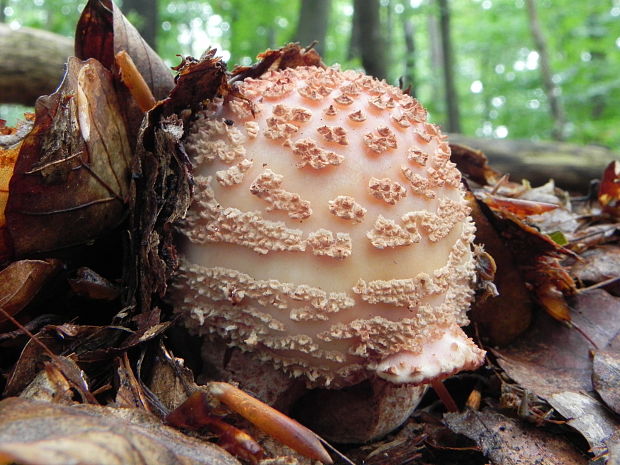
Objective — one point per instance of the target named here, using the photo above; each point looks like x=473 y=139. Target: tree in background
x=367 y=14
x=497 y=67
x=453 y=120
x=408 y=25
x=312 y=23
x=551 y=89
x=145 y=16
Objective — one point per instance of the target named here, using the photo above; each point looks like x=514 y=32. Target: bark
x=598 y=61
x=388 y=27
x=551 y=90
x=371 y=42
x=453 y=123
x=32 y=63
x=409 y=36
x=312 y=24
x=436 y=54
x=572 y=166
x=354 y=41
x=149 y=18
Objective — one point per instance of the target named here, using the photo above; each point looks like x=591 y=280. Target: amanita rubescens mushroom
x=329 y=234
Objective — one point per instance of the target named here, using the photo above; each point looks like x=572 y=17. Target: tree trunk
x=387 y=25
x=312 y=24
x=371 y=41
x=551 y=90
x=572 y=166
x=354 y=40
x=32 y=63
x=453 y=123
x=598 y=58
x=149 y=18
x=409 y=36
x=436 y=56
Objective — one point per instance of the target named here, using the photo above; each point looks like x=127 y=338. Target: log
x=32 y=63
x=572 y=166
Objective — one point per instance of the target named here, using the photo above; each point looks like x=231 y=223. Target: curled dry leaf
x=21 y=281
x=40 y=433
x=597 y=265
x=8 y=157
x=506 y=441
x=10 y=136
x=89 y=346
x=101 y=33
x=71 y=180
x=502 y=318
x=606 y=377
x=161 y=180
x=553 y=362
x=609 y=192
x=474 y=165
x=91 y=285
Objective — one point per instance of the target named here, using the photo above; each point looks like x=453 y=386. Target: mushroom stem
x=444 y=395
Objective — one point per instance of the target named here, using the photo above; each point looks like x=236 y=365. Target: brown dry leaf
x=10 y=136
x=509 y=442
x=606 y=377
x=474 y=165
x=553 y=362
x=597 y=265
x=92 y=285
x=40 y=433
x=289 y=56
x=71 y=181
x=502 y=318
x=89 y=344
x=101 y=33
x=8 y=157
x=162 y=180
x=609 y=192
x=21 y=281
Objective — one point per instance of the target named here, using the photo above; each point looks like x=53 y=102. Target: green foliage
x=498 y=70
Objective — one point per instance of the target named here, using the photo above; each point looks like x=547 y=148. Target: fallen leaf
x=71 y=180
x=10 y=136
x=518 y=207
x=90 y=344
x=474 y=165
x=21 y=281
x=500 y=319
x=41 y=433
x=289 y=56
x=51 y=386
x=91 y=285
x=606 y=377
x=509 y=442
x=553 y=361
x=101 y=33
x=609 y=191
x=8 y=157
x=597 y=264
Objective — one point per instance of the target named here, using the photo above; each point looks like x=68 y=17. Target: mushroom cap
x=328 y=232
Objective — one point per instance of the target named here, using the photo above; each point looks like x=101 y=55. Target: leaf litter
x=547 y=394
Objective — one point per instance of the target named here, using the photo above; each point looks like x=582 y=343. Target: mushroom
x=329 y=240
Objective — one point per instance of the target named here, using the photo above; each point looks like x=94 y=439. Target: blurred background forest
x=517 y=69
